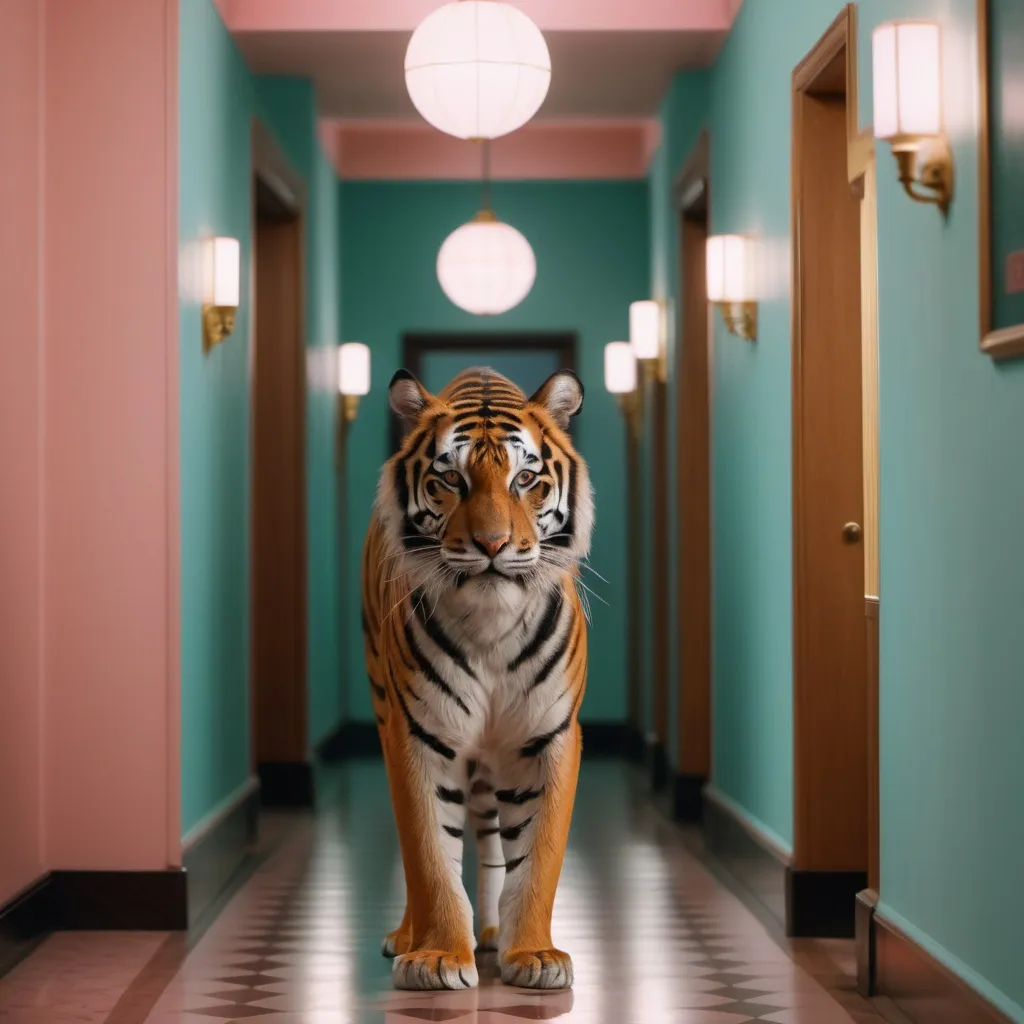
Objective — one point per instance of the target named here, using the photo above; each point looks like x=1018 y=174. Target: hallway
x=654 y=936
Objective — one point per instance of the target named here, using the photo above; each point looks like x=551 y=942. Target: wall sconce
x=620 y=379
x=353 y=377
x=908 y=107
x=729 y=283
x=221 y=287
x=647 y=337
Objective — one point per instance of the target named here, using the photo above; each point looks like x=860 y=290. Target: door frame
x=840 y=39
x=693 y=680
x=287 y=780
x=417 y=344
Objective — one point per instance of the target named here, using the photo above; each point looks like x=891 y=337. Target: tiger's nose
x=491 y=544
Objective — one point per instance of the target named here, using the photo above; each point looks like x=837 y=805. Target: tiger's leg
x=429 y=804
x=400 y=940
x=535 y=813
x=490 y=860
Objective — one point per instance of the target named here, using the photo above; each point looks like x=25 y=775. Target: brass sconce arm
x=740 y=319
x=929 y=169
x=632 y=407
x=218 y=324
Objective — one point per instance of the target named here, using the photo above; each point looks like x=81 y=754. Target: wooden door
x=831 y=700
x=694 y=504
x=279 y=492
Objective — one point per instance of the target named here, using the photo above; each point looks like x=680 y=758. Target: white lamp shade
x=477 y=69
x=907 y=79
x=619 y=367
x=353 y=368
x=729 y=277
x=645 y=329
x=486 y=267
x=221 y=271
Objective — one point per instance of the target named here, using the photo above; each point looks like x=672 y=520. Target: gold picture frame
x=1002 y=335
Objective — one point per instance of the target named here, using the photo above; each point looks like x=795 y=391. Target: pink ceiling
x=612 y=62
x=388 y=150
x=550 y=15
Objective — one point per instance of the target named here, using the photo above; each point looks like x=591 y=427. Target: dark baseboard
x=751 y=859
x=131 y=901
x=213 y=858
x=921 y=987
x=864 y=942
x=656 y=759
x=822 y=904
x=635 y=745
x=287 y=784
x=688 y=797
x=24 y=923
x=604 y=739
x=361 y=739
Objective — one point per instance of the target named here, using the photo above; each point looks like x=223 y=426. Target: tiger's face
x=486 y=491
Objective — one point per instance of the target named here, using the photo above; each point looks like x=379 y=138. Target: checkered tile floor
x=653 y=936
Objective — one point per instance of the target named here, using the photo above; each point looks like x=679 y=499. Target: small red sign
x=1015 y=272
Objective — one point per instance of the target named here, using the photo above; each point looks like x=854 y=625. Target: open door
x=834 y=494
x=693 y=491
x=279 y=704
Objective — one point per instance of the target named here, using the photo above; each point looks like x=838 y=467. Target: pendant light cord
x=486 y=174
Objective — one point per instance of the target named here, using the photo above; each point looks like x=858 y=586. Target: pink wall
x=21 y=542
x=111 y=761
x=89 y=635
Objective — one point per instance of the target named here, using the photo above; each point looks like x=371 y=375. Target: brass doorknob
x=852 y=533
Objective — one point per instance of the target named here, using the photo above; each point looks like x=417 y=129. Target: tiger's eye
x=452 y=477
x=525 y=478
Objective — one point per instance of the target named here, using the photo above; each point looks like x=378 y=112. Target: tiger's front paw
x=397 y=942
x=542 y=968
x=430 y=969
x=488 y=940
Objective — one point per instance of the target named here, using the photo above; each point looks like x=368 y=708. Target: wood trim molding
x=1006 y=342
x=842 y=33
x=920 y=986
x=270 y=163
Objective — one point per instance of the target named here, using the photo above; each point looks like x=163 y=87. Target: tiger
x=476 y=649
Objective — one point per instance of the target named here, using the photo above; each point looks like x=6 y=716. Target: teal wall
x=217 y=99
x=952 y=484
x=592 y=249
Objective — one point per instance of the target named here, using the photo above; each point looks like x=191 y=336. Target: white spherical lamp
x=486 y=267
x=477 y=69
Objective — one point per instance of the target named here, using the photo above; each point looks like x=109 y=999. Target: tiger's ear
x=407 y=396
x=562 y=395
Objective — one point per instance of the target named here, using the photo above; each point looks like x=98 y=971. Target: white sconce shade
x=486 y=267
x=221 y=273
x=477 y=69
x=619 y=367
x=353 y=369
x=907 y=79
x=645 y=329
x=728 y=269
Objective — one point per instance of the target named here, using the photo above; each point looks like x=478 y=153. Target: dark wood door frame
x=693 y=486
x=830 y=657
x=417 y=344
x=280 y=745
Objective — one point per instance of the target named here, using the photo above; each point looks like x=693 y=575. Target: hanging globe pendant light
x=486 y=267
x=477 y=69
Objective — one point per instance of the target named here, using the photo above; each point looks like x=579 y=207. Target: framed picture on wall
x=1001 y=177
